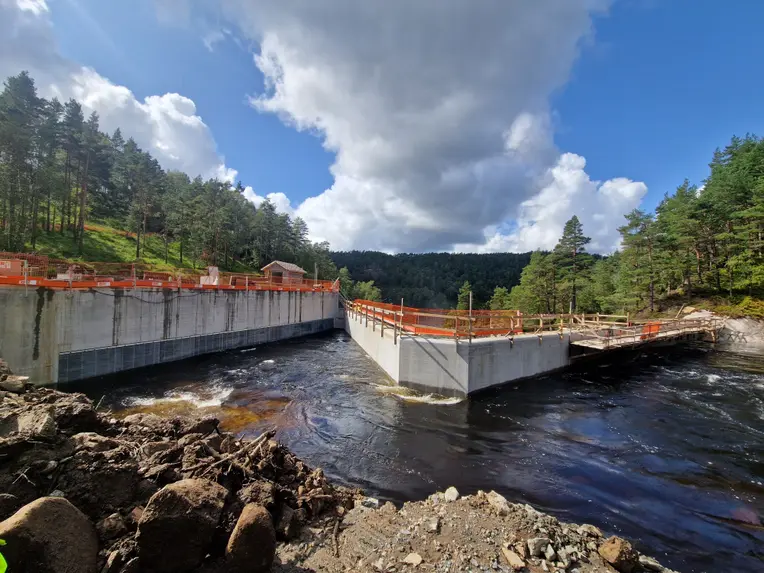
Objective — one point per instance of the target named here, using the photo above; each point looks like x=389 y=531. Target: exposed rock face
x=252 y=544
x=49 y=535
x=620 y=554
x=178 y=524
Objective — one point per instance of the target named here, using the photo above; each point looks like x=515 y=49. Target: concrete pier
x=452 y=367
x=59 y=335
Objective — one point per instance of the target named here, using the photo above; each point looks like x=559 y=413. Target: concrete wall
x=59 y=335
x=458 y=368
x=494 y=361
x=379 y=344
x=438 y=365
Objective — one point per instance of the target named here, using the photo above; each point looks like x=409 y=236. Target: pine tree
x=463 y=300
x=571 y=256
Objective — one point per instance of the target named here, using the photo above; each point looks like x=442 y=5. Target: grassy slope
x=107 y=244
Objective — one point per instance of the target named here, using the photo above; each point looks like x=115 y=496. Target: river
x=666 y=449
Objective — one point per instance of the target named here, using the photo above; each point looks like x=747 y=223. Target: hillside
x=432 y=280
x=103 y=243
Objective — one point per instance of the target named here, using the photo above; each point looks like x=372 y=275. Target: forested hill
x=433 y=279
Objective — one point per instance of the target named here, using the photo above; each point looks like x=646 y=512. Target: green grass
x=107 y=244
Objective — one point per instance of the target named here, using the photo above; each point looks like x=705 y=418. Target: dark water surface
x=666 y=449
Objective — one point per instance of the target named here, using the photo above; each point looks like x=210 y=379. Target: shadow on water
x=666 y=448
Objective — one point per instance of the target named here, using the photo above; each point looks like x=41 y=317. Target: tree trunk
x=65 y=197
x=83 y=199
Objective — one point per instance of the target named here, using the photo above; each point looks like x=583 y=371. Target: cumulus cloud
x=438 y=113
x=280 y=201
x=568 y=190
x=165 y=125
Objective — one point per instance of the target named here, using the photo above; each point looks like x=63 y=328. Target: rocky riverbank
x=84 y=492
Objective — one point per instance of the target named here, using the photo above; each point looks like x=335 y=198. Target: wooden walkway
x=593 y=336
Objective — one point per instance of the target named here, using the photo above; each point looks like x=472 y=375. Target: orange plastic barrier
x=650 y=330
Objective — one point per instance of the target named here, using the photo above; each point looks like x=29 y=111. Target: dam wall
x=452 y=367
x=60 y=335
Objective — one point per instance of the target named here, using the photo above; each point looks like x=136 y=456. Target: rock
x=114 y=563
x=57 y=493
x=433 y=524
x=451 y=494
x=550 y=553
x=111 y=527
x=287 y=525
x=537 y=546
x=93 y=442
x=148 y=450
x=36 y=423
x=498 y=502
x=15 y=384
x=75 y=413
x=252 y=545
x=590 y=530
x=203 y=426
x=370 y=502
x=177 y=526
x=514 y=560
x=189 y=439
x=132 y=566
x=49 y=535
x=9 y=504
x=619 y=553
x=259 y=492
x=650 y=564
x=414 y=558
x=134 y=517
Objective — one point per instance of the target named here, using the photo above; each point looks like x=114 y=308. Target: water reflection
x=667 y=449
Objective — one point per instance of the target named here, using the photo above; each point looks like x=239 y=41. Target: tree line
x=59 y=171
x=701 y=241
x=431 y=280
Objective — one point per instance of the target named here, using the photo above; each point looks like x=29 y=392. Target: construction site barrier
x=477 y=323
x=19 y=269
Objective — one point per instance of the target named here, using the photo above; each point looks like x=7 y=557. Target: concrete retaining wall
x=378 y=344
x=458 y=368
x=59 y=335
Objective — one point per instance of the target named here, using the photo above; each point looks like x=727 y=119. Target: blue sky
x=658 y=86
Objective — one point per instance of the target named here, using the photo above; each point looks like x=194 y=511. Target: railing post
x=469 y=326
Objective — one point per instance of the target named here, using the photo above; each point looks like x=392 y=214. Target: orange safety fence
x=443 y=322
x=18 y=269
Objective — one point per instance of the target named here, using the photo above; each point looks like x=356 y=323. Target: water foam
x=215 y=396
x=408 y=395
x=713 y=378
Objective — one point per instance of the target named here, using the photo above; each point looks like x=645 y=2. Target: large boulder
x=252 y=544
x=15 y=384
x=620 y=554
x=49 y=535
x=178 y=525
x=33 y=423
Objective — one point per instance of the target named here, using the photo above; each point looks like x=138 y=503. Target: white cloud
x=568 y=191
x=279 y=200
x=165 y=125
x=438 y=114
